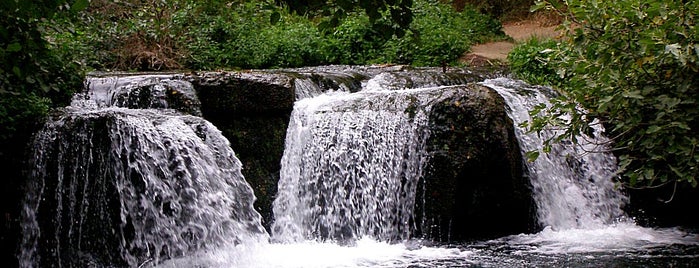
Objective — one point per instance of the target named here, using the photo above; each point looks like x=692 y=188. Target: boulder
x=252 y=111
x=474 y=186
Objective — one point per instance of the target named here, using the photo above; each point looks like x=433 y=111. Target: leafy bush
x=154 y=35
x=438 y=35
x=34 y=75
x=442 y=35
x=535 y=61
x=505 y=9
x=634 y=65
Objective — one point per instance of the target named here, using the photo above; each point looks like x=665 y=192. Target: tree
x=398 y=12
x=634 y=66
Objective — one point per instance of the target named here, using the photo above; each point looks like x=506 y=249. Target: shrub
x=535 y=61
x=438 y=35
x=634 y=65
x=154 y=35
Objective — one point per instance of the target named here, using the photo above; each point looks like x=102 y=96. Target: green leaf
x=16 y=71
x=652 y=129
x=635 y=94
x=538 y=5
x=79 y=5
x=532 y=155
x=14 y=47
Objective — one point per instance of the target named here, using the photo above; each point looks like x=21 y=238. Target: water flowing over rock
x=375 y=165
x=314 y=81
x=354 y=167
x=253 y=108
x=351 y=165
x=573 y=184
x=140 y=92
x=123 y=187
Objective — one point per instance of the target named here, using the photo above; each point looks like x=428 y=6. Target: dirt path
x=497 y=51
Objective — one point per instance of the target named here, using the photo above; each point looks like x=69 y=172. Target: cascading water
x=351 y=165
x=116 y=186
x=573 y=184
x=138 y=183
x=578 y=204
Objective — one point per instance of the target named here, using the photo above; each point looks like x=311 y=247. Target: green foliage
x=634 y=66
x=439 y=35
x=154 y=35
x=505 y=9
x=535 y=61
x=247 y=37
x=33 y=76
x=387 y=16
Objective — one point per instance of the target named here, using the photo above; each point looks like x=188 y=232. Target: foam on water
x=620 y=237
x=311 y=254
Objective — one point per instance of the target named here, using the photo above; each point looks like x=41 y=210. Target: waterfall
x=573 y=184
x=118 y=186
x=351 y=165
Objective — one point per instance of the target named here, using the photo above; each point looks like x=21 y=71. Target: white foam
x=612 y=238
x=366 y=253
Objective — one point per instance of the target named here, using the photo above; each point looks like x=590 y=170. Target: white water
x=351 y=165
x=311 y=254
x=573 y=184
x=149 y=184
x=577 y=201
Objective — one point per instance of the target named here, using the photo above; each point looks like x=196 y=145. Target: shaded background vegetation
x=186 y=34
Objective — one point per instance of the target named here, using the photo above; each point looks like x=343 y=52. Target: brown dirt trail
x=519 y=32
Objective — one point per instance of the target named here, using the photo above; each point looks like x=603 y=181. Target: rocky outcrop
x=474 y=186
x=252 y=111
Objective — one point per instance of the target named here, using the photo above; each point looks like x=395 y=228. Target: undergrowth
x=187 y=34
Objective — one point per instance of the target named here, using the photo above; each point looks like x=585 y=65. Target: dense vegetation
x=188 y=34
x=633 y=65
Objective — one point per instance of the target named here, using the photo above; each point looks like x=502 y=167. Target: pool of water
x=621 y=245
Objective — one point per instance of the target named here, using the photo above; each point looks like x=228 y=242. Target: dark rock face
x=474 y=186
x=666 y=206
x=252 y=110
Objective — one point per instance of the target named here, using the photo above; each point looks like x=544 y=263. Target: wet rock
x=474 y=186
x=252 y=110
x=146 y=91
x=665 y=206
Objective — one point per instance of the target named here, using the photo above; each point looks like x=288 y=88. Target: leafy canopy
x=634 y=66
